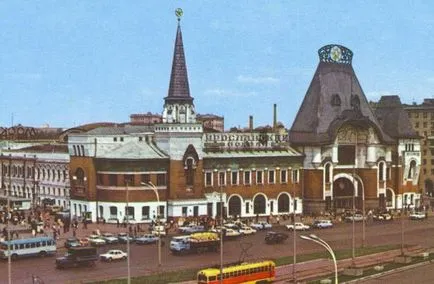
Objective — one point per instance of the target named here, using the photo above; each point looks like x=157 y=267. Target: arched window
x=75 y=150
x=336 y=100
x=79 y=174
x=189 y=171
x=412 y=170
x=82 y=149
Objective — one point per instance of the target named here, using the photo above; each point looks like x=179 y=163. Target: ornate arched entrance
x=343 y=194
x=259 y=204
x=283 y=203
x=234 y=205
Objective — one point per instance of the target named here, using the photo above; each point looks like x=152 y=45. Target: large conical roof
x=179 y=89
x=334 y=98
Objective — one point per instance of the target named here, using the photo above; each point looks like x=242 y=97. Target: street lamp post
x=321 y=242
x=154 y=188
x=128 y=236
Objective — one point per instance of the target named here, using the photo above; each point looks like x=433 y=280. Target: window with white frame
x=259 y=177
x=271 y=176
x=208 y=178
x=283 y=176
x=234 y=180
x=247 y=176
x=222 y=178
x=295 y=176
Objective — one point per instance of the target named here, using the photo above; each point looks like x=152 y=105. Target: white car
x=95 y=240
x=113 y=254
x=356 y=217
x=322 y=224
x=262 y=225
x=231 y=233
x=417 y=216
x=298 y=227
x=246 y=230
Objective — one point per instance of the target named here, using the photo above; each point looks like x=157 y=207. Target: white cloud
x=376 y=95
x=257 y=80
x=228 y=93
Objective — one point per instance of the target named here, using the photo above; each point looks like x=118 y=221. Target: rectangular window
x=271 y=176
x=222 y=178
x=425 y=115
x=208 y=178
x=129 y=180
x=416 y=125
x=432 y=161
x=295 y=176
x=432 y=171
x=113 y=180
x=145 y=212
x=424 y=161
x=247 y=177
x=161 y=211
x=121 y=139
x=259 y=177
x=115 y=139
x=346 y=154
x=234 y=178
x=184 y=211
x=247 y=207
x=161 y=180
x=100 y=179
x=146 y=178
x=283 y=176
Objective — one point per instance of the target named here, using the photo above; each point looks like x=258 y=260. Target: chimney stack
x=251 y=122
x=274 y=117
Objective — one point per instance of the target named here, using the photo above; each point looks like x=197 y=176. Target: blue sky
x=73 y=62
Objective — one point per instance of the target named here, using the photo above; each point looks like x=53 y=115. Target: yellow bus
x=258 y=272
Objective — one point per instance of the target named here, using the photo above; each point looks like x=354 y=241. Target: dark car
x=77 y=256
x=72 y=242
x=275 y=238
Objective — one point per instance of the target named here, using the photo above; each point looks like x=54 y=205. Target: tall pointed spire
x=178 y=105
x=179 y=88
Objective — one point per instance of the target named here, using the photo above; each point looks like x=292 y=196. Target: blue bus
x=40 y=246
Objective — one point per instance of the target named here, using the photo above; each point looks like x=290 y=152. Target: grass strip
x=190 y=274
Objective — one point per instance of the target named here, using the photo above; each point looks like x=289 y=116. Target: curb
x=392 y=271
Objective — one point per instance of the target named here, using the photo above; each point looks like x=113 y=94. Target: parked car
x=246 y=230
x=417 y=216
x=357 y=218
x=322 y=224
x=95 y=240
x=191 y=229
x=109 y=238
x=298 y=227
x=382 y=216
x=113 y=254
x=275 y=238
x=147 y=239
x=261 y=225
x=72 y=242
x=122 y=238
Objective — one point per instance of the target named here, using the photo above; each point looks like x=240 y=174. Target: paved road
x=144 y=258
x=420 y=275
